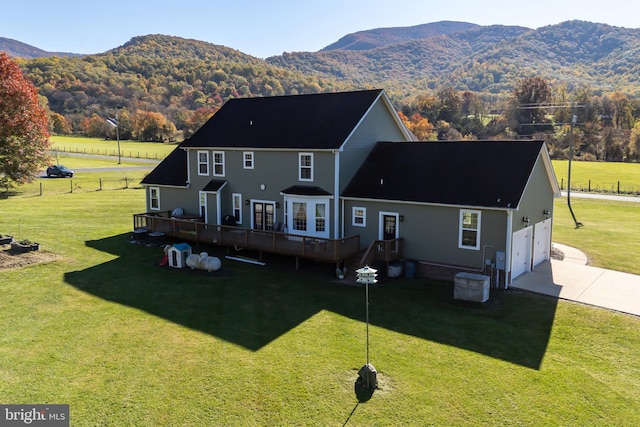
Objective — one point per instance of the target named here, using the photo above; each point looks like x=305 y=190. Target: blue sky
x=267 y=28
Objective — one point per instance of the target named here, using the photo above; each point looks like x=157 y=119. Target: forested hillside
x=450 y=80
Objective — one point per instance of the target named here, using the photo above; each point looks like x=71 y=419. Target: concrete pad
x=582 y=283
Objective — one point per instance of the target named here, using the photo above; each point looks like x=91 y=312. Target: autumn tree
x=24 y=129
x=526 y=113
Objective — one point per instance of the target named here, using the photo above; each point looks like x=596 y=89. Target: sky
x=267 y=28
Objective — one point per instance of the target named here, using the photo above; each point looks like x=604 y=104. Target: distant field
x=604 y=176
x=145 y=150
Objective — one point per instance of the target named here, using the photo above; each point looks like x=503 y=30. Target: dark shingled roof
x=171 y=171
x=214 y=185
x=306 y=190
x=474 y=173
x=317 y=121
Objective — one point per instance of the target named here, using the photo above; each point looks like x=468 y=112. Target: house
x=463 y=205
x=308 y=176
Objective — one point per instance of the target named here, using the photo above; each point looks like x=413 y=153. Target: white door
x=521 y=252
x=542 y=242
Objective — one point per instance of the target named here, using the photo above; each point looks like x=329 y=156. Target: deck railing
x=195 y=230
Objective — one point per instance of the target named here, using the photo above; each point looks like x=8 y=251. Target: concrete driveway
x=572 y=279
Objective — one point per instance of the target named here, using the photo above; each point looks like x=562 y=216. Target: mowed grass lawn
x=124 y=341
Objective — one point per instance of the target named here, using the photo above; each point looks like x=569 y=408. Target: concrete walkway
x=572 y=279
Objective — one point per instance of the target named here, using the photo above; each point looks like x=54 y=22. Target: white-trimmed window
x=469 y=237
x=305 y=169
x=321 y=217
x=203 y=163
x=218 y=163
x=237 y=207
x=154 y=198
x=358 y=216
x=247 y=160
x=299 y=216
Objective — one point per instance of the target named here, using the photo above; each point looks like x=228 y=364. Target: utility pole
x=573 y=122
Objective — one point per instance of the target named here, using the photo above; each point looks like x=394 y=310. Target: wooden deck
x=195 y=230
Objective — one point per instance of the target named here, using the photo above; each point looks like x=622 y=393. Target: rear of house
x=462 y=206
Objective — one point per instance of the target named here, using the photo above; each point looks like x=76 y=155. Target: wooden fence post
x=71 y=183
x=41 y=189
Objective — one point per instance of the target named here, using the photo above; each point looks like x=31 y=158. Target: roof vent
x=250 y=122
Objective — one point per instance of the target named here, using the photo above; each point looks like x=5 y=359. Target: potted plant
x=24 y=246
x=5 y=239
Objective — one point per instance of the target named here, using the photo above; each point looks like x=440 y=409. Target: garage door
x=521 y=252
x=542 y=242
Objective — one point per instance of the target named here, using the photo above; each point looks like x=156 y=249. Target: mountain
x=18 y=49
x=370 y=39
x=479 y=58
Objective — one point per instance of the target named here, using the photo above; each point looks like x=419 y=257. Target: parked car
x=59 y=171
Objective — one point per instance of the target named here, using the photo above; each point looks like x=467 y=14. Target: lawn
x=135 y=149
x=124 y=341
x=599 y=176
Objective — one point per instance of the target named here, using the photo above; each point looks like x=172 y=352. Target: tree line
x=604 y=127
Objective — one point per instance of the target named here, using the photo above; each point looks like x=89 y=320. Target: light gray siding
x=538 y=196
x=377 y=125
x=431 y=233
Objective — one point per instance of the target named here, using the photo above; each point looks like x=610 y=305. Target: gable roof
x=316 y=121
x=172 y=171
x=490 y=174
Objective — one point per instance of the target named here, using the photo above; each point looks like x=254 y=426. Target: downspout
x=507 y=269
x=218 y=208
x=336 y=196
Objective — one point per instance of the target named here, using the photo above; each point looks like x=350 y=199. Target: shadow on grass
x=251 y=305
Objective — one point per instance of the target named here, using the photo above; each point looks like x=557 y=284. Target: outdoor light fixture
x=277 y=205
x=401 y=218
x=546 y=213
x=246 y=202
x=525 y=220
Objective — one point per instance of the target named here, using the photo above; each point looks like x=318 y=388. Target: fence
x=613 y=188
x=109 y=152
x=47 y=186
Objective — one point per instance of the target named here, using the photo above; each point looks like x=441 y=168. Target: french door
x=263 y=215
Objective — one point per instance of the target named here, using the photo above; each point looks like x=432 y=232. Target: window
x=321 y=217
x=359 y=217
x=247 y=160
x=154 y=198
x=299 y=216
x=218 y=163
x=203 y=163
x=305 y=172
x=469 y=229
x=237 y=207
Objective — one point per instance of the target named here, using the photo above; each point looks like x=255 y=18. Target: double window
x=469 y=236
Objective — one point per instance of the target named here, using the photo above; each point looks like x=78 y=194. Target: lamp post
x=113 y=121
x=367 y=276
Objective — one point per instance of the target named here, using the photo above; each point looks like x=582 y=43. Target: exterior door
x=203 y=206
x=521 y=252
x=263 y=216
x=389 y=226
x=542 y=242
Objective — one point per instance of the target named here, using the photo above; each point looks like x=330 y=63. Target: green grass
x=127 y=342
x=147 y=150
x=604 y=176
x=610 y=234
